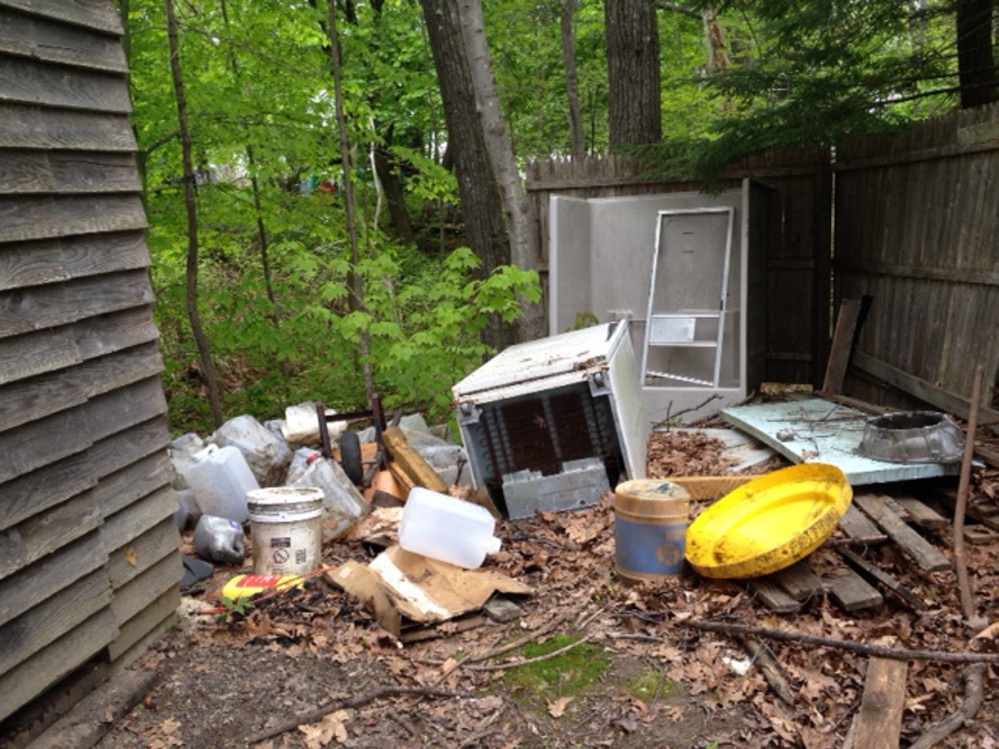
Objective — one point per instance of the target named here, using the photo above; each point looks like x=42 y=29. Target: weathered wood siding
x=88 y=560
x=798 y=271
x=917 y=229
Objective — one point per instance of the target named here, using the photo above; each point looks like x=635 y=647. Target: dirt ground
x=311 y=669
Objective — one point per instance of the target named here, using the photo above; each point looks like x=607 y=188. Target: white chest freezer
x=554 y=424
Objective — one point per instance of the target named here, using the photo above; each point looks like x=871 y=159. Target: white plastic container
x=220 y=479
x=286 y=528
x=447 y=528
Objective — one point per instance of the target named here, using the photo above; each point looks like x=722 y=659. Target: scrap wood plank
x=875 y=573
x=857 y=525
x=842 y=345
x=851 y=592
x=410 y=462
x=926 y=555
x=922 y=515
x=772 y=596
x=799 y=581
x=879 y=722
x=985 y=513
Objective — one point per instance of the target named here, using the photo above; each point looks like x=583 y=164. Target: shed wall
x=88 y=560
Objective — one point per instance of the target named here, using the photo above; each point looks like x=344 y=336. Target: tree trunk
x=571 y=80
x=634 y=108
x=191 y=279
x=481 y=203
x=356 y=283
x=388 y=173
x=975 y=61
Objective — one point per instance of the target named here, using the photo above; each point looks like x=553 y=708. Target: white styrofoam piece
x=832 y=432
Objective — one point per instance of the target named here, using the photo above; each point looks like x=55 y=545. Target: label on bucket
x=286 y=548
x=647 y=549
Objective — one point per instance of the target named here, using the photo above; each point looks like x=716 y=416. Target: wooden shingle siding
x=88 y=560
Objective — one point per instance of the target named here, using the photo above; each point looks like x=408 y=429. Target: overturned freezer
x=554 y=424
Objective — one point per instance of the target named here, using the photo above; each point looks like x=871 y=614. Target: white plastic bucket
x=286 y=528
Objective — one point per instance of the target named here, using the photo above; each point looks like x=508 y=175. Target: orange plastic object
x=769 y=523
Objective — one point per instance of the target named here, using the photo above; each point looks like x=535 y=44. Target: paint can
x=650 y=526
x=286 y=528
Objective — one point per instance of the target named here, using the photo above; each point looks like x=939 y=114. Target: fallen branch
x=540 y=631
x=313 y=716
x=768 y=667
x=879 y=651
x=960 y=564
x=973 y=677
x=513 y=664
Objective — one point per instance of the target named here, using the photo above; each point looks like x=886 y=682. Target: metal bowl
x=912 y=437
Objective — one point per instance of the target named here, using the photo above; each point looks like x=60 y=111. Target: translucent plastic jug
x=446 y=528
x=220 y=479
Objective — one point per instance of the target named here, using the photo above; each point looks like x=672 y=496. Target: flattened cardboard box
x=406 y=589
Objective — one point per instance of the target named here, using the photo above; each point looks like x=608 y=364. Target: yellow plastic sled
x=769 y=523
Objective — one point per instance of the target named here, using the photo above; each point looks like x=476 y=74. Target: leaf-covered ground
x=611 y=664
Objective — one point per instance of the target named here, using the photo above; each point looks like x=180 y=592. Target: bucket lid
x=652 y=497
x=285 y=498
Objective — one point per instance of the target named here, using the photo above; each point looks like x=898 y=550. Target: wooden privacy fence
x=798 y=273
x=917 y=229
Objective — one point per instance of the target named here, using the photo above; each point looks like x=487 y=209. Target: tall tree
x=481 y=202
x=975 y=60
x=634 y=96
x=568 y=39
x=208 y=369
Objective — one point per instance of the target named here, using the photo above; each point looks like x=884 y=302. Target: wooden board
x=44 y=533
x=43 y=442
x=48 y=393
x=42 y=351
x=44 y=623
x=117 y=491
x=52 y=663
x=799 y=581
x=27 y=82
x=50 y=261
x=921 y=515
x=67 y=172
x=97 y=336
x=156 y=618
x=29 y=309
x=851 y=592
x=842 y=345
x=90 y=14
x=138 y=517
x=874 y=573
x=140 y=553
x=130 y=599
x=36 y=582
x=38 y=38
x=127 y=406
x=879 y=721
x=32 y=126
x=857 y=525
x=922 y=551
x=36 y=492
x=773 y=597
x=24 y=218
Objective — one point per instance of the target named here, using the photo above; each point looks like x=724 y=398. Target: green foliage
x=232 y=608
x=571 y=672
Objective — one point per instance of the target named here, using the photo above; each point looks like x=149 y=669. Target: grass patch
x=567 y=674
x=648 y=685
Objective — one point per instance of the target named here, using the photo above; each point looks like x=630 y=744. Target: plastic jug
x=446 y=528
x=220 y=479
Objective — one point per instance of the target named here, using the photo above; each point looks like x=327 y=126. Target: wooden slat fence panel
x=916 y=219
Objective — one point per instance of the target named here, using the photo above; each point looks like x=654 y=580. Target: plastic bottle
x=220 y=479
x=219 y=540
x=446 y=528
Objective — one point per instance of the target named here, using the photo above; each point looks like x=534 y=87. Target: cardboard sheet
x=405 y=589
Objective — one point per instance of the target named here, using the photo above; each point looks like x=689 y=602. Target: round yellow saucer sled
x=769 y=523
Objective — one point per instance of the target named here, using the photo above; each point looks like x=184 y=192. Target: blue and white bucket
x=650 y=526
